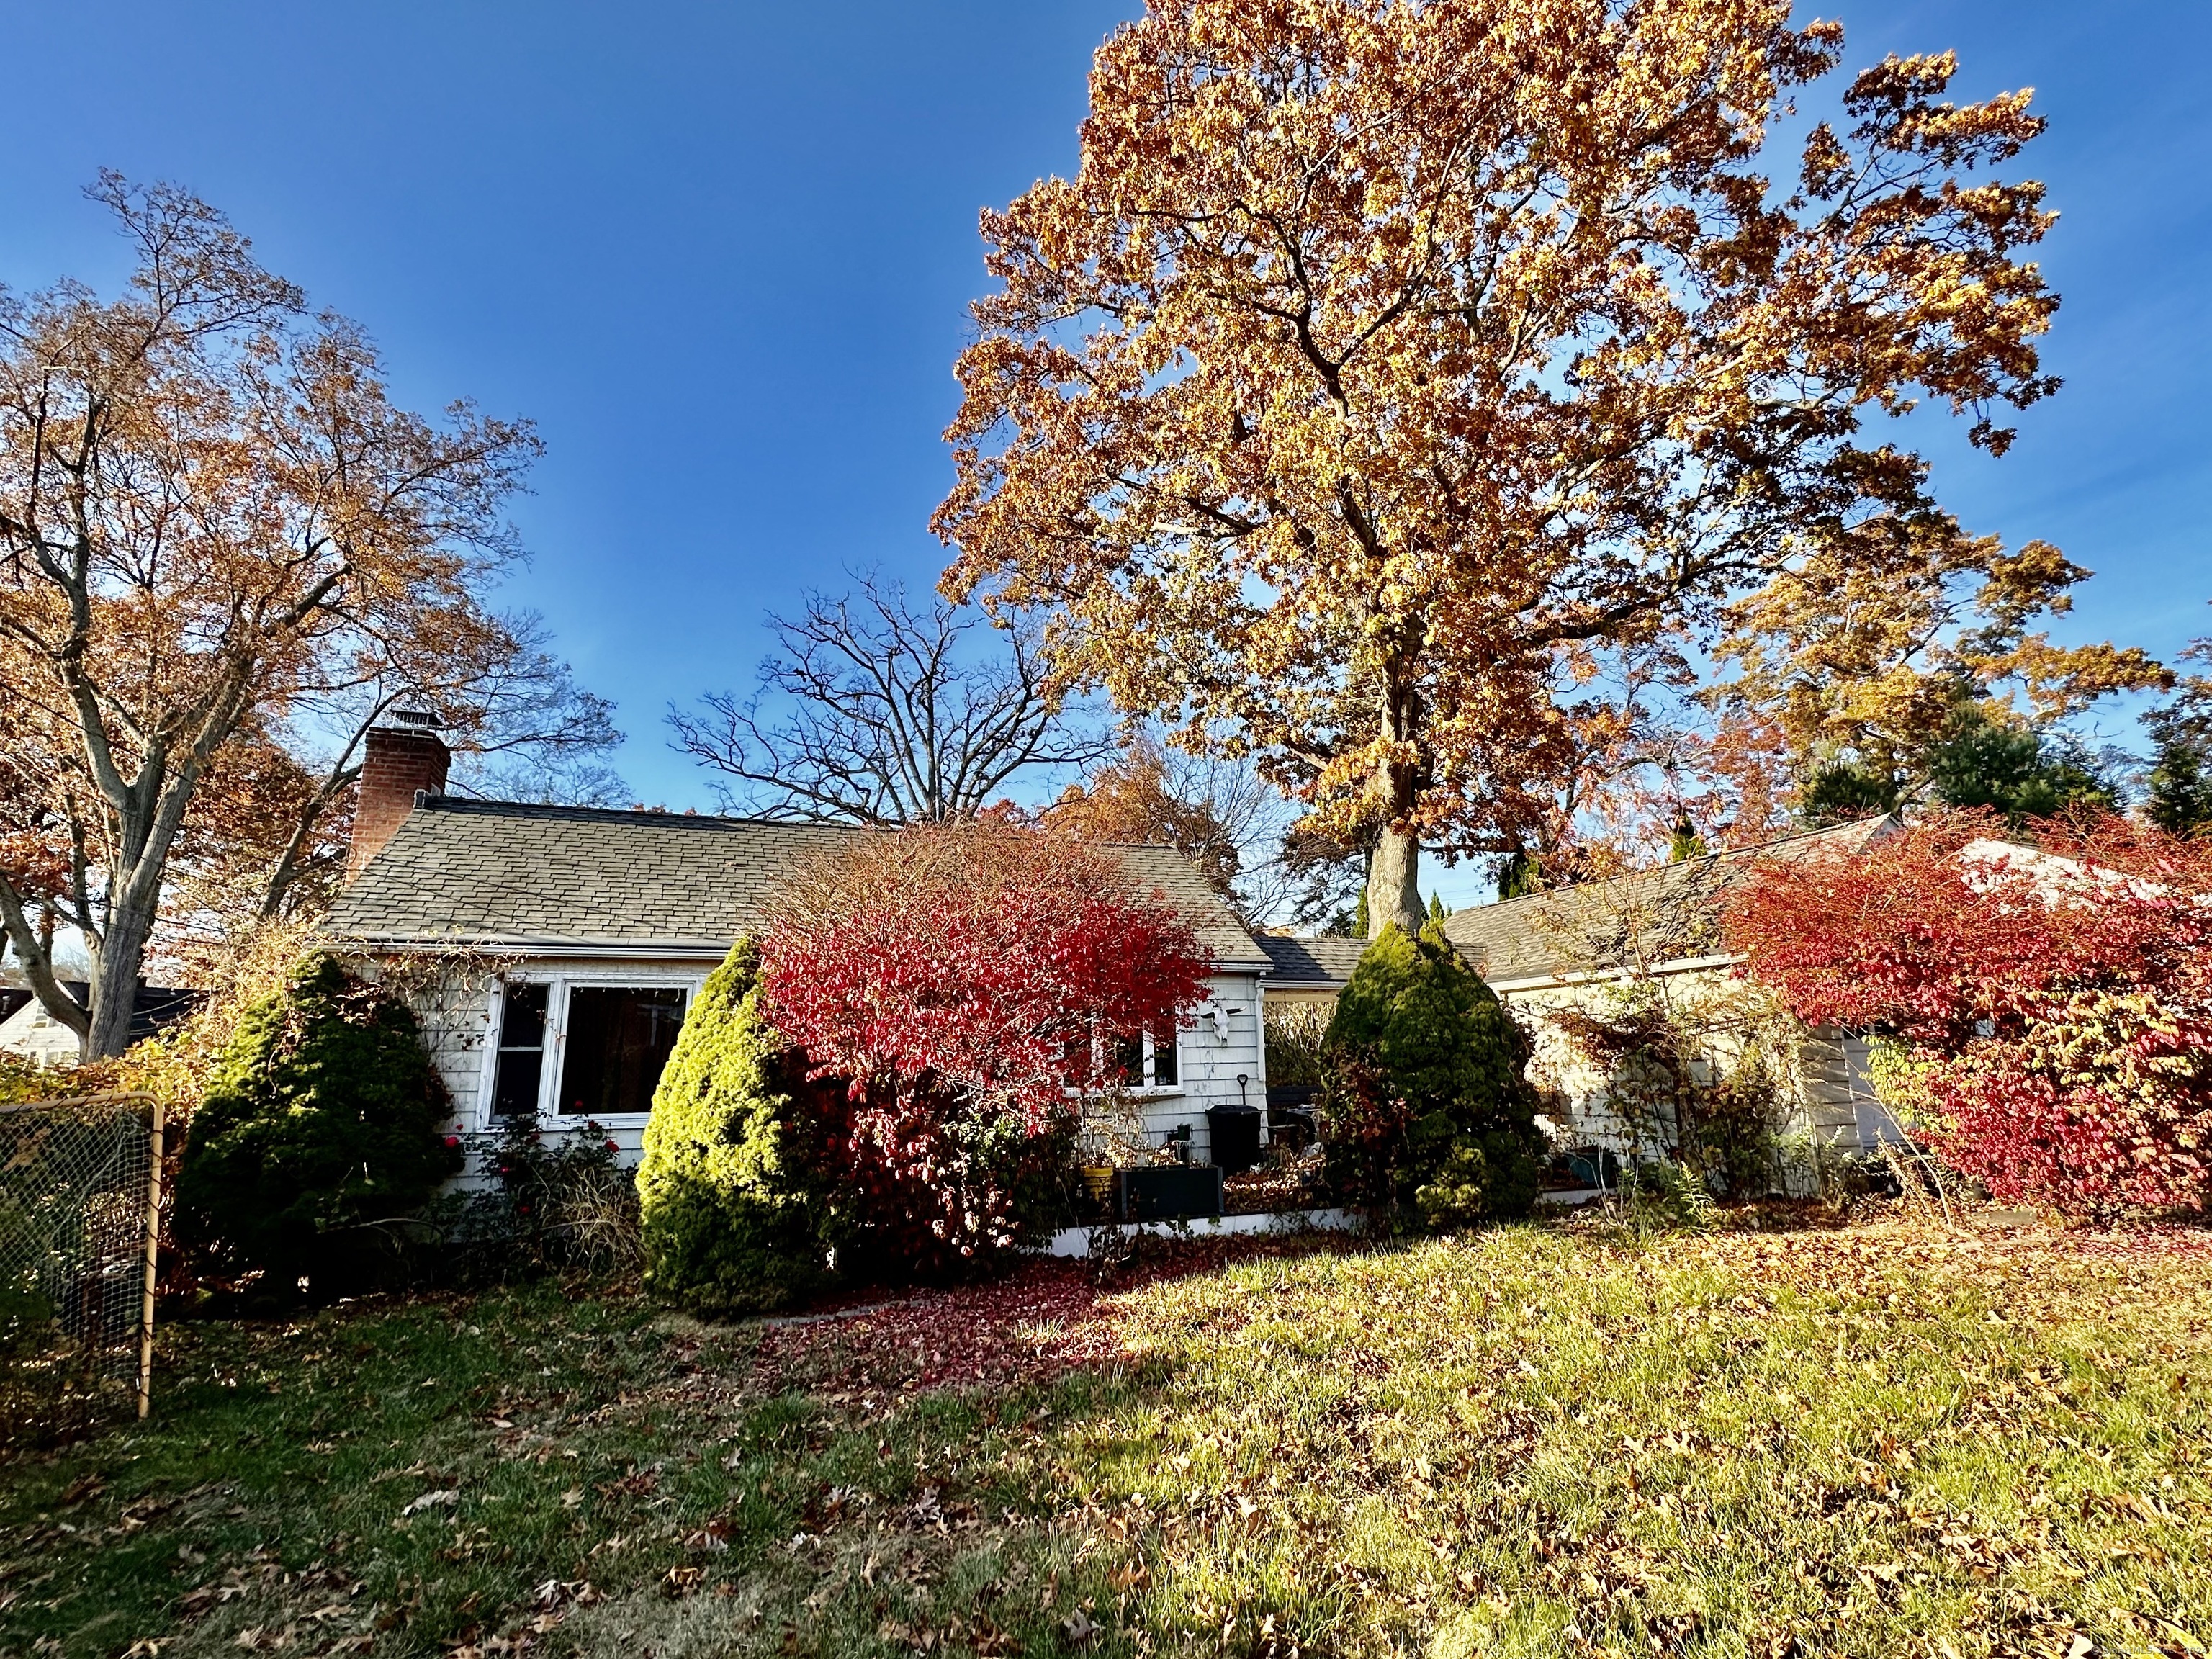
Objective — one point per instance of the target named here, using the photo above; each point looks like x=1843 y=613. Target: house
x=29 y=1032
x=1578 y=947
x=552 y=951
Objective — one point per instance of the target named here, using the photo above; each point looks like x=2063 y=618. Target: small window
x=1128 y=1061
x=1147 y=1062
x=619 y=1040
x=1166 y=1070
x=521 y=1061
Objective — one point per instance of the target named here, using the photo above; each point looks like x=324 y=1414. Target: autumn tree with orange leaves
x=212 y=519
x=1389 y=379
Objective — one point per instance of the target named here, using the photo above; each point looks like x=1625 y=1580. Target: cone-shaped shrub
x=323 y=1113
x=730 y=1187
x=1426 y=1108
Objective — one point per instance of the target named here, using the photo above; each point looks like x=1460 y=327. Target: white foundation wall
x=457 y=1009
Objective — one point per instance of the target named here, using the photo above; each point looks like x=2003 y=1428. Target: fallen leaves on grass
x=1047 y=1318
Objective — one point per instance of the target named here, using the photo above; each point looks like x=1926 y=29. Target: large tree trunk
x=1394 y=869
x=116 y=969
x=1394 y=892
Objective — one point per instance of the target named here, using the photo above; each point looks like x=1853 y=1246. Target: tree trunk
x=115 y=971
x=1393 y=891
x=1394 y=869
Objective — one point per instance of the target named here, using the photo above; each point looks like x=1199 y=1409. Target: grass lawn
x=1883 y=1440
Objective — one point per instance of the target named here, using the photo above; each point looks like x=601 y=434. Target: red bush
x=963 y=979
x=2057 y=999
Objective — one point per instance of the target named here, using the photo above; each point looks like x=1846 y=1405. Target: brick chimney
x=399 y=761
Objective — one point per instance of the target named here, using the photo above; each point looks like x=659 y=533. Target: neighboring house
x=552 y=951
x=1581 y=946
x=1309 y=972
x=33 y=1034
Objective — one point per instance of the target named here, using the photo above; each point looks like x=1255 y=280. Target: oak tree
x=1388 y=373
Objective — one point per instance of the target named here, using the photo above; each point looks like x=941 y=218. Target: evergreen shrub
x=321 y=1115
x=1426 y=1111
x=731 y=1189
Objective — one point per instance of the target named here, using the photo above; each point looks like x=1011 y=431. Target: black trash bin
x=1235 y=1133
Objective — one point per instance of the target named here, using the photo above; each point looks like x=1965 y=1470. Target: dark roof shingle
x=1312 y=960
x=502 y=875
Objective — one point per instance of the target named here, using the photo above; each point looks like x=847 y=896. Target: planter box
x=1167 y=1192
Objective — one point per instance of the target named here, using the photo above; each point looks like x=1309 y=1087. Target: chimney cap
x=415 y=720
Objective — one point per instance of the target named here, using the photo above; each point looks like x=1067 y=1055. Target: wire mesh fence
x=80 y=1223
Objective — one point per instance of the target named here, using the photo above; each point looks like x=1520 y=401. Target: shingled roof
x=1674 y=912
x=498 y=875
x=1321 y=961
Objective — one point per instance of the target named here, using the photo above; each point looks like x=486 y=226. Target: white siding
x=1835 y=1105
x=36 y=1035
x=457 y=1014
x=1214 y=1053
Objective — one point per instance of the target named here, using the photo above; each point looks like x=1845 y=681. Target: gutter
x=681 y=950
x=1553 y=981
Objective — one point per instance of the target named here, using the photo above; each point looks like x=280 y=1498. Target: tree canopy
x=218 y=535
x=1390 y=379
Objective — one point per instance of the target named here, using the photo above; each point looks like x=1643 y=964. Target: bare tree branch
x=873 y=710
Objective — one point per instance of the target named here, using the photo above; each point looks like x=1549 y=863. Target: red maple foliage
x=963 y=979
x=2056 y=1001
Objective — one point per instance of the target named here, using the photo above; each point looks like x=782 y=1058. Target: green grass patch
x=1531 y=1441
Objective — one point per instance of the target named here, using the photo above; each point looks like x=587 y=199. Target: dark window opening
x=521 y=1061
x=619 y=1040
x=1129 y=1063
x=1166 y=1073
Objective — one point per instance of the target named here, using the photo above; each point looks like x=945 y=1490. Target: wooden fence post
x=153 y=1251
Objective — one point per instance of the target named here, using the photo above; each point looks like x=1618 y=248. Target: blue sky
x=722 y=254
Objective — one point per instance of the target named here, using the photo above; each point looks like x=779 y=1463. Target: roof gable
x=504 y=876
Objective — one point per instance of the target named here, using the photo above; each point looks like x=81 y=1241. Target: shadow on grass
x=557 y=1467
x=1533 y=1441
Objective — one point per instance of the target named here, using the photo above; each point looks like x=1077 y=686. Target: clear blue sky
x=722 y=254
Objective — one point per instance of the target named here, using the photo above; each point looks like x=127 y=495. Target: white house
x=29 y=1032
x=552 y=951
x=1576 y=947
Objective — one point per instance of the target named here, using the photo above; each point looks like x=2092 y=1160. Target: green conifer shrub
x=322 y=1114
x=1426 y=1111
x=730 y=1188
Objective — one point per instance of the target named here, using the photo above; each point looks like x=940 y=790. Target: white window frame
x=1143 y=1090
x=558 y=984
x=1149 y=1089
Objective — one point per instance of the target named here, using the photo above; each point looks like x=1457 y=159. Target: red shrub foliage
x=963 y=979
x=2056 y=999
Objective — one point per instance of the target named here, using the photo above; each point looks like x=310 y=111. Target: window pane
x=1165 y=1072
x=522 y=1017
x=514 y=1084
x=618 y=1041
x=521 y=1051
x=1129 y=1063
